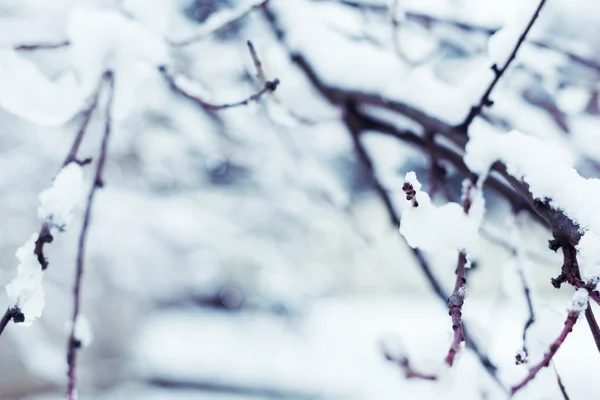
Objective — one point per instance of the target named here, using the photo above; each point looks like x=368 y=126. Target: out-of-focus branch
x=42 y=46
x=427 y=20
x=568 y=327
x=262 y=80
x=11 y=314
x=404 y=363
x=268 y=87
x=593 y=324
x=562 y=388
x=45 y=235
x=219 y=21
x=74 y=342
x=499 y=71
x=527 y=293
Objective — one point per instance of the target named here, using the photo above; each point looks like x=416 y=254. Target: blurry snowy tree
x=240 y=234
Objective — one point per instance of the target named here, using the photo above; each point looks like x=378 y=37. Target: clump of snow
x=102 y=40
x=579 y=301
x=83 y=331
x=548 y=170
x=446 y=227
x=58 y=201
x=27 y=93
x=573 y=99
x=26 y=291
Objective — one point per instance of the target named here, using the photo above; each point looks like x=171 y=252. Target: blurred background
x=248 y=253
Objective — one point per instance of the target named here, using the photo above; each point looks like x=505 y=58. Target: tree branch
x=593 y=324
x=74 y=342
x=499 y=71
x=268 y=87
x=568 y=327
x=353 y=123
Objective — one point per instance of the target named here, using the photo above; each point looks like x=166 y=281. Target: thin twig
x=563 y=390
x=404 y=364
x=217 y=22
x=568 y=327
x=262 y=80
x=269 y=87
x=42 y=46
x=74 y=343
x=531 y=318
x=457 y=298
x=593 y=324
x=499 y=71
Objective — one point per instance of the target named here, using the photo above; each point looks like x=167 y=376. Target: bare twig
x=219 y=21
x=262 y=80
x=457 y=298
x=517 y=253
x=427 y=20
x=74 y=342
x=404 y=364
x=593 y=324
x=499 y=71
x=563 y=390
x=269 y=87
x=42 y=46
x=531 y=318
x=260 y=72
x=568 y=327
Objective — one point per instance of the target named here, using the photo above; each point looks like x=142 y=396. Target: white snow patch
x=443 y=228
x=58 y=201
x=26 y=291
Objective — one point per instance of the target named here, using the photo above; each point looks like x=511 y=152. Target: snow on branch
x=57 y=203
x=220 y=20
x=444 y=228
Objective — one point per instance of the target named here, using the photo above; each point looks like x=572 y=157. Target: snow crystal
x=83 y=331
x=430 y=227
x=579 y=301
x=548 y=170
x=58 y=201
x=26 y=291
